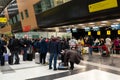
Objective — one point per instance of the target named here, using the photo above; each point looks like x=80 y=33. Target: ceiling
x=104 y=23
x=3 y=4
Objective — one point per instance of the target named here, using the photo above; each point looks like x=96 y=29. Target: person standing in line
x=3 y=43
x=108 y=43
x=90 y=43
x=43 y=50
x=53 y=50
x=14 y=46
x=73 y=42
x=26 y=45
x=116 y=45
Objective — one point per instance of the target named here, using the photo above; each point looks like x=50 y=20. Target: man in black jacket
x=2 y=50
x=14 y=46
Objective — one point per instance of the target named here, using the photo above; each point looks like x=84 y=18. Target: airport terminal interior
x=59 y=39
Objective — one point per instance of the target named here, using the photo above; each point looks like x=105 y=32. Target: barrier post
x=112 y=58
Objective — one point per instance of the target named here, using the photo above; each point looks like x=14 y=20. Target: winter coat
x=2 y=46
x=53 y=47
x=72 y=56
x=43 y=47
x=14 y=45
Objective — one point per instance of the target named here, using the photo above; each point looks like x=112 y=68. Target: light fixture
x=91 y=23
x=80 y=24
x=103 y=24
x=104 y=21
x=116 y=23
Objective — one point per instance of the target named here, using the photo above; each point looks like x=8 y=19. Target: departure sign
x=98 y=33
x=3 y=20
x=89 y=33
x=106 y=4
x=118 y=32
x=108 y=32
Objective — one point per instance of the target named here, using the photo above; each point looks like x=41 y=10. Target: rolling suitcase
x=6 y=57
x=62 y=67
x=2 y=60
x=29 y=57
x=37 y=58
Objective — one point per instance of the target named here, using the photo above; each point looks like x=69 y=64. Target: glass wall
x=44 y=5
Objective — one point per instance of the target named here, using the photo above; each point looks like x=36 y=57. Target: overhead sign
x=3 y=20
x=108 y=32
x=106 y=4
x=89 y=33
x=118 y=32
x=98 y=33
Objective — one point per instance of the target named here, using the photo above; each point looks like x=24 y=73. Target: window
x=22 y=15
x=45 y=4
x=26 y=13
x=38 y=8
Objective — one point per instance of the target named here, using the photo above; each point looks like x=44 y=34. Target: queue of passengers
x=69 y=49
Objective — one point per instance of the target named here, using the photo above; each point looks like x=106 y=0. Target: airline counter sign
x=3 y=20
x=98 y=33
x=102 y=5
x=118 y=32
x=89 y=33
x=108 y=32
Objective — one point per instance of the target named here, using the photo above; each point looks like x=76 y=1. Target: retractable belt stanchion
x=90 y=55
x=112 y=58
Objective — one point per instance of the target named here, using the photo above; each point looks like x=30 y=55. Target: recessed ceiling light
x=103 y=24
x=104 y=21
x=91 y=23
x=116 y=23
x=81 y=24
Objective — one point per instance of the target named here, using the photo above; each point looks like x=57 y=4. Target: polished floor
x=92 y=68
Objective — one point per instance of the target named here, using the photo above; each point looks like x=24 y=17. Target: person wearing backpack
x=14 y=46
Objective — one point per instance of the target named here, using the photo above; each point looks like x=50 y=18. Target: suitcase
x=6 y=57
x=105 y=54
x=62 y=67
x=2 y=60
x=37 y=58
x=10 y=61
x=29 y=57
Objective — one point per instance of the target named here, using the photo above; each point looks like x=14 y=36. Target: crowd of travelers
x=69 y=49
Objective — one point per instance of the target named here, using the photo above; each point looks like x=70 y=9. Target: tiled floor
x=92 y=70
x=92 y=75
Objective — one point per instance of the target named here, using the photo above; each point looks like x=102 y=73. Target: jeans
x=15 y=53
x=42 y=58
x=25 y=54
x=0 y=57
x=90 y=50
x=53 y=55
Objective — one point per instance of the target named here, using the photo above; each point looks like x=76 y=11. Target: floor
x=92 y=68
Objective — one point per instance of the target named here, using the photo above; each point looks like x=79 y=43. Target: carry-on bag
x=37 y=58
x=29 y=57
x=62 y=67
x=6 y=57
